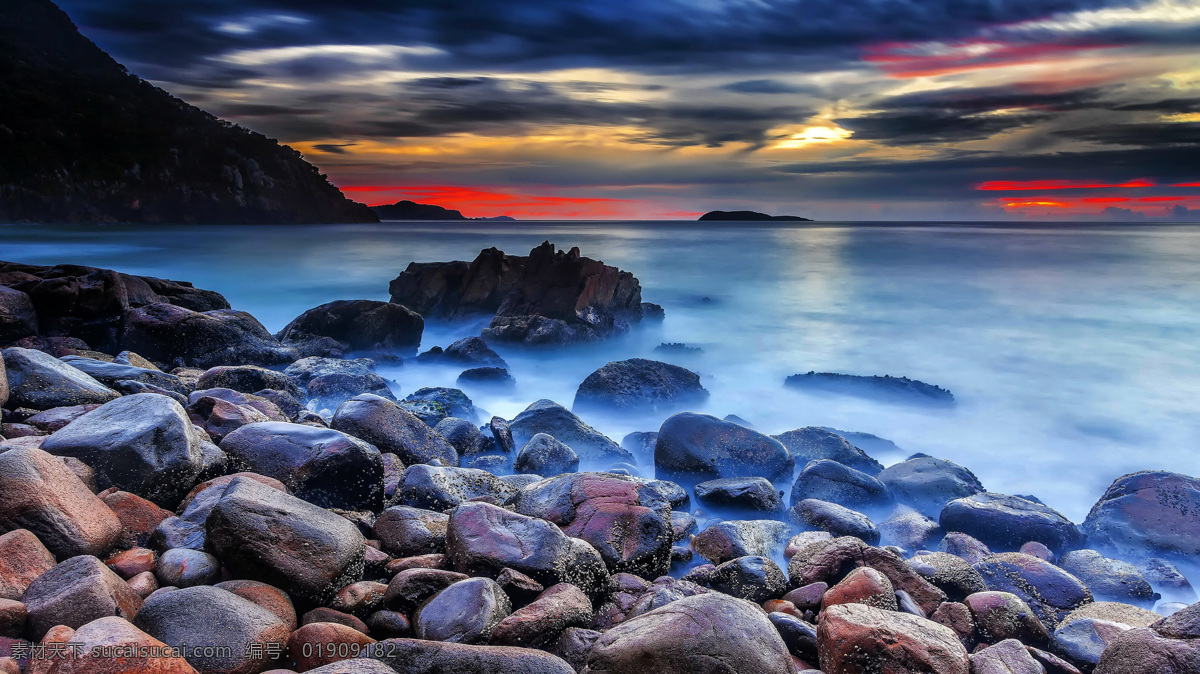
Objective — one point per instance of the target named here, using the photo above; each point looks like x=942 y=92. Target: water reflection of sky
x=1073 y=350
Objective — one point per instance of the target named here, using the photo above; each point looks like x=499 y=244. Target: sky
x=626 y=109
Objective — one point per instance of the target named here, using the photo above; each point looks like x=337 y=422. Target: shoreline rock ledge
x=548 y=297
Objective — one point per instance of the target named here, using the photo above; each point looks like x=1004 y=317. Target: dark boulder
x=466 y=351
x=455 y=402
x=359 y=324
x=752 y=578
x=1151 y=511
x=1003 y=615
x=483 y=539
x=171 y=334
x=831 y=481
x=693 y=448
x=1051 y=592
x=969 y=548
x=727 y=540
x=329 y=391
x=18 y=318
x=410 y=588
x=543 y=455
x=486 y=376
x=246 y=379
x=466 y=437
x=465 y=612
x=547 y=416
x=1008 y=522
x=703 y=634
x=740 y=493
x=886 y=388
x=1109 y=579
x=419 y=656
x=813 y=442
x=404 y=531
x=390 y=428
x=39 y=381
x=180 y=567
x=640 y=443
x=143 y=443
x=320 y=465
x=640 y=386
x=1083 y=641
x=951 y=574
x=928 y=484
x=441 y=488
x=840 y=521
x=263 y=534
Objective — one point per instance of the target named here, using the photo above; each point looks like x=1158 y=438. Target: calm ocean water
x=1074 y=351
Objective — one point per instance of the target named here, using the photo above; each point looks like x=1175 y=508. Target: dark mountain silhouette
x=750 y=216
x=83 y=140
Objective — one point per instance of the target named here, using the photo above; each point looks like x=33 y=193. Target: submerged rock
x=358 y=324
x=813 y=443
x=885 y=388
x=1109 y=579
x=1008 y=522
x=1150 y=511
x=639 y=385
x=547 y=416
x=693 y=448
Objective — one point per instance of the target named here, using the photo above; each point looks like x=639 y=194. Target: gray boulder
x=1008 y=522
x=813 y=442
x=41 y=381
x=419 y=656
x=441 y=488
x=831 y=481
x=465 y=613
x=927 y=484
x=543 y=455
x=1151 y=511
x=389 y=428
x=322 y=466
x=143 y=443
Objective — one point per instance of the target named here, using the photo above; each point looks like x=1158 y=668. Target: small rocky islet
x=182 y=491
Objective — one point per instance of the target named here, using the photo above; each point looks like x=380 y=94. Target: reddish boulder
x=22 y=559
x=1152 y=510
x=703 y=634
x=267 y=596
x=863 y=585
x=1006 y=657
x=138 y=516
x=131 y=562
x=858 y=639
x=1144 y=651
x=540 y=623
x=45 y=497
x=830 y=562
x=114 y=646
x=317 y=644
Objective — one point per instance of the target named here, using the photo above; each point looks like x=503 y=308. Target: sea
x=1072 y=350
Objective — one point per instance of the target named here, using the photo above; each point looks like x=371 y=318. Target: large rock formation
x=548 y=297
x=86 y=141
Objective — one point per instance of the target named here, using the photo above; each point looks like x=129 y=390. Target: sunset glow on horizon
x=828 y=109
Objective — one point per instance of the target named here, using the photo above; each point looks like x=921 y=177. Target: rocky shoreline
x=182 y=491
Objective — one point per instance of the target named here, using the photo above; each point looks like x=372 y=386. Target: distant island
x=749 y=216
x=411 y=210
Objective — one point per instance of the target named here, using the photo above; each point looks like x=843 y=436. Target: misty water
x=1073 y=351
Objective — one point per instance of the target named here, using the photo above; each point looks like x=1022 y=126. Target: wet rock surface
x=639 y=385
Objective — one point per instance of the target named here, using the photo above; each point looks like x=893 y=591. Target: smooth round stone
x=187 y=568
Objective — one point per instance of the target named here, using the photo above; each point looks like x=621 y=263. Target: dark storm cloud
x=991 y=99
x=1143 y=135
x=932 y=126
x=495 y=33
x=955 y=177
x=1167 y=107
x=766 y=87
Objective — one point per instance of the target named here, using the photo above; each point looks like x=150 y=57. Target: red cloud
x=924 y=59
x=1039 y=185
x=475 y=202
